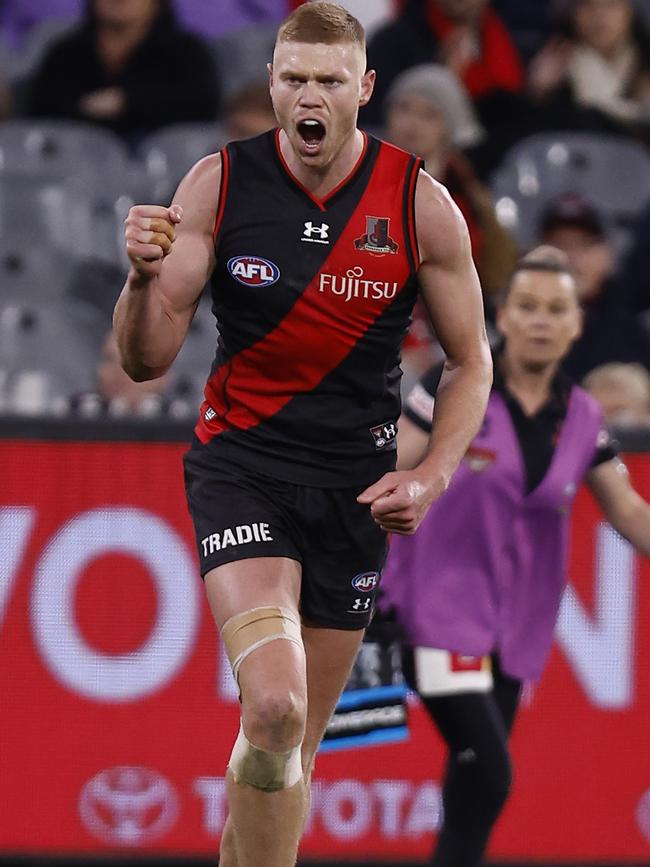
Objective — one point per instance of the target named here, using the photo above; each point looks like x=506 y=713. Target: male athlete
x=317 y=238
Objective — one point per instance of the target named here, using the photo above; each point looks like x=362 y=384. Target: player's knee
x=274 y=717
x=262 y=768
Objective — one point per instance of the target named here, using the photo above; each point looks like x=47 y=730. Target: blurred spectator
x=635 y=272
x=218 y=17
x=116 y=393
x=430 y=113
x=249 y=112
x=467 y=36
x=128 y=67
x=529 y=22
x=5 y=100
x=610 y=332
x=5 y=92
x=97 y=284
x=623 y=391
x=601 y=66
x=17 y=17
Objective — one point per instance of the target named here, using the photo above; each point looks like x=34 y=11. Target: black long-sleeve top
x=169 y=78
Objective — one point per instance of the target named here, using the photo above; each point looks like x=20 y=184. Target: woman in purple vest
x=477 y=589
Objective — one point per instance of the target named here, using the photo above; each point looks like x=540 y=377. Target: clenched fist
x=399 y=501
x=150 y=232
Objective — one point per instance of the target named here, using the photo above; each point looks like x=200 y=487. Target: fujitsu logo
x=354 y=286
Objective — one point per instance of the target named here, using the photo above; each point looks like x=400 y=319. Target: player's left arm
x=451 y=292
x=624 y=508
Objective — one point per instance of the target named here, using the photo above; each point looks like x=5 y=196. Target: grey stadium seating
x=61 y=214
x=169 y=153
x=611 y=171
x=242 y=56
x=60 y=149
x=32 y=271
x=47 y=353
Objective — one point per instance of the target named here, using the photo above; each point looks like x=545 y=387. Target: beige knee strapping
x=263 y=769
x=245 y=632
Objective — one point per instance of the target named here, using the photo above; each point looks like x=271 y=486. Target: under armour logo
x=362 y=604
x=320 y=231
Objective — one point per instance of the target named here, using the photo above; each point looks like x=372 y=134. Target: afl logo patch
x=366 y=581
x=253 y=271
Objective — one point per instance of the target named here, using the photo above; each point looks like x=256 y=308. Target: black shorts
x=239 y=514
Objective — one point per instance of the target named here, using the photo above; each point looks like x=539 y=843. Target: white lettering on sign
x=212 y=792
x=601 y=650
x=347 y=809
x=84 y=669
x=599 y=646
x=15 y=527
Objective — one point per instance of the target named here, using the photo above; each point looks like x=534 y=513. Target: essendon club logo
x=376 y=239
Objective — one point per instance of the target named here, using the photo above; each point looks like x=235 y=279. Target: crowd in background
x=464 y=83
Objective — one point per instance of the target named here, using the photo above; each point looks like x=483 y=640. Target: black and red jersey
x=313 y=299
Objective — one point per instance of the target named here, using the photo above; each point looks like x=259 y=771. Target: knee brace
x=263 y=769
x=243 y=633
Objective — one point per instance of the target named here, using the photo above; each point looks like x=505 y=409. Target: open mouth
x=312 y=133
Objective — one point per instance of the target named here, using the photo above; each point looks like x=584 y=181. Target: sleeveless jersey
x=313 y=299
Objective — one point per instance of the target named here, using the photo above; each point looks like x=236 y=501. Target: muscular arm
x=452 y=294
x=412 y=444
x=624 y=508
x=172 y=257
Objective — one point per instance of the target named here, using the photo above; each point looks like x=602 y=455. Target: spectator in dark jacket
x=129 y=68
x=467 y=36
x=428 y=111
x=595 y=72
x=635 y=274
x=610 y=332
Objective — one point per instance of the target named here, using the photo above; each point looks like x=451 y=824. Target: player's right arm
x=171 y=253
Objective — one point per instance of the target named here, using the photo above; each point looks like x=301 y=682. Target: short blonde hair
x=321 y=21
x=631 y=378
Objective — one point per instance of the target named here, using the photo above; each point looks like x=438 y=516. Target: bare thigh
x=245 y=584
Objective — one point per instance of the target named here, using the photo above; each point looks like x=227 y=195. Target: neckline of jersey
x=322 y=202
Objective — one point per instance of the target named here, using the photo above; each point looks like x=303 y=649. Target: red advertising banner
x=118 y=709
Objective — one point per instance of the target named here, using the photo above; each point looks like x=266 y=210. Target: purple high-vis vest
x=485 y=571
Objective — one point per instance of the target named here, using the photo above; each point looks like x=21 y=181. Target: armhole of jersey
x=223 y=191
x=414 y=166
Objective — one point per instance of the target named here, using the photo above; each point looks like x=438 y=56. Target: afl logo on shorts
x=366 y=581
x=253 y=271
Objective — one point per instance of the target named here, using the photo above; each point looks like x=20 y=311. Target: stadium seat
x=242 y=56
x=62 y=214
x=190 y=369
x=611 y=171
x=47 y=353
x=61 y=149
x=31 y=271
x=169 y=153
